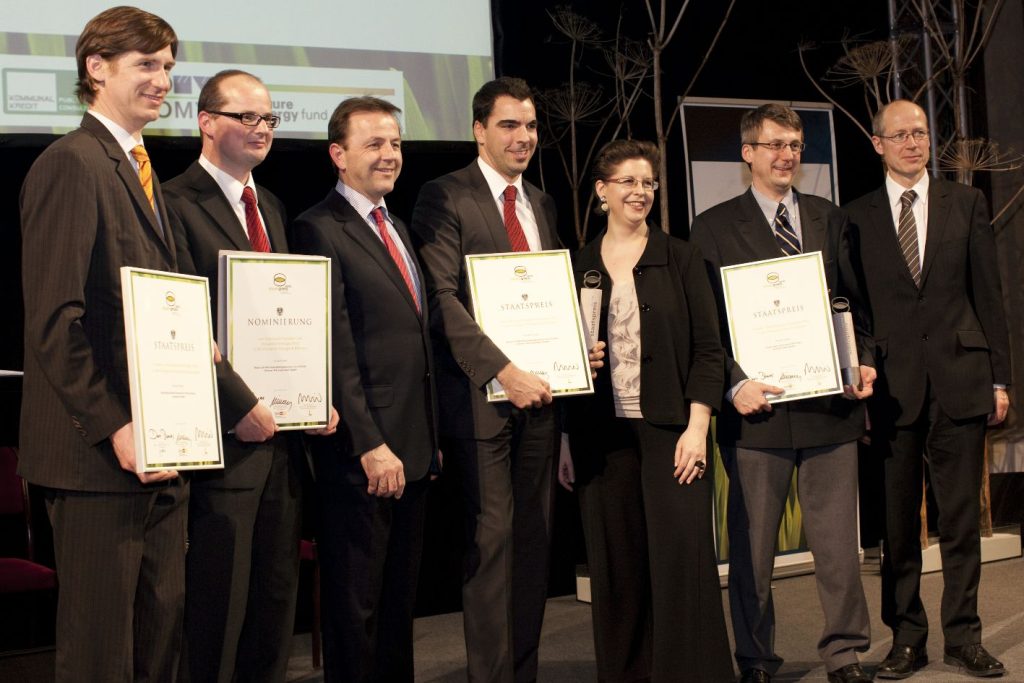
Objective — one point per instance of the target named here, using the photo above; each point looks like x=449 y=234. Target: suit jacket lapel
x=813 y=226
x=883 y=233
x=130 y=177
x=938 y=216
x=755 y=230
x=548 y=233
x=275 y=229
x=488 y=207
x=359 y=232
x=211 y=198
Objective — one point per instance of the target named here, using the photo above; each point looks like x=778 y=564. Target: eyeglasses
x=779 y=145
x=630 y=182
x=901 y=137
x=250 y=119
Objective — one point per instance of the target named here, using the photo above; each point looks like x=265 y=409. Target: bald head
x=901 y=137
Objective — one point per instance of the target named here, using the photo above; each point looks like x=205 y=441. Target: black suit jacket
x=203 y=223
x=456 y=215
x=736 y=232
x=83 y=216
x=382 y=382
x=682 y=358
x=951 y=333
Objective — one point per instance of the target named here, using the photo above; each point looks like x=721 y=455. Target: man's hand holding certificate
x=781 y=327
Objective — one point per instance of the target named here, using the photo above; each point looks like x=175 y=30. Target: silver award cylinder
x=846 y=342
x=590 y=306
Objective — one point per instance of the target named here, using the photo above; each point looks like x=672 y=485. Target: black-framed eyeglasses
x=779 y=145
x=250 y=119
x=629 y=182
x=919 y=135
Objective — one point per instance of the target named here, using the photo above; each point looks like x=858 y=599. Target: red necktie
x=516 y=236
x=396 y=256
x=253 y=224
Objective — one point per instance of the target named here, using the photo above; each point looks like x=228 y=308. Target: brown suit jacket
x=83 y=216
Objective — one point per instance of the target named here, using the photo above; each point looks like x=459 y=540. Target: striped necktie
x=253 y=224
x=906 y=233
x=516 y=236
x=785 y=235
x=396 y=256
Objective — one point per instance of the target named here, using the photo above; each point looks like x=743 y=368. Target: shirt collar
x=496 y=182
x=231 y=188
x=359 y=202
x=125 y=140
x=895 y=190
x=770 y=207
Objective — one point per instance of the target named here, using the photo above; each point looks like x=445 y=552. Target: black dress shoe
x=851 y=673
x=755 y=676
x=974 y=660
x=902 y=661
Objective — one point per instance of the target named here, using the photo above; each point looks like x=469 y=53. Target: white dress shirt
x=524 y=211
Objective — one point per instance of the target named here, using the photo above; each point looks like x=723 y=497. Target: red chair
x=25 y=586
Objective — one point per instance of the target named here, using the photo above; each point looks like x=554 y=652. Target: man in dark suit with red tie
x=502 y=451
x=244 y=520
x=762 y=443
x=90 y=205
x=372 y=475
x=943 y=361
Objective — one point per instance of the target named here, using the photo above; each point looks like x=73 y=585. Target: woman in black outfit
x=640 y=444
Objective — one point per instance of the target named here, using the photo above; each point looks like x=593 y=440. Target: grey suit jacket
x=736 y=231
x=382 y=384
x=203 y=223
x=83 y=216
x=949 y=334
x=456 y=215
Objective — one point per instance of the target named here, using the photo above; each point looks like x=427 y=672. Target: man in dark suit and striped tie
x=90 y=205
x=943 y=358
x=762 y=443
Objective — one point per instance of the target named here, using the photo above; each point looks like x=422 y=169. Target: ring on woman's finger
x=700 y=465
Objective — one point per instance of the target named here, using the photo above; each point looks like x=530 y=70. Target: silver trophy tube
x=846 y=342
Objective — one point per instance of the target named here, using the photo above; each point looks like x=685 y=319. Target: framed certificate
x=275 y=328
x=526 y=303
x=173 y=384
x=780 y=322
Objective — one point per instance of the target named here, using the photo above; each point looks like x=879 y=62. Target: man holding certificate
x=372 y=475
x=243 y=520
x=90 y=205
x=761 y=443
x=503 y=451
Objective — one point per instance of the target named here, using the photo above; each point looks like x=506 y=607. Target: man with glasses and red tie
x=943 y=361
x=243 y=565
x=372 y=476
x=762 y=443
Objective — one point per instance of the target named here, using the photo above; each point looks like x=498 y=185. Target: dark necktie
x=516 y=236
x=906 y=233
x=785 y=235
x=253 y=224
x=145 y=172
x=396 y=256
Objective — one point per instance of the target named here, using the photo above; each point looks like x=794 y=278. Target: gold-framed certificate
x=780 y=323
x=274 y=326
x=526 y=303
x=172 y=381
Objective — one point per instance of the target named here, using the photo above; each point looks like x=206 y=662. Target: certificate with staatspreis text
x=275 y=328
x=780 y=323
x=172 y=381
x=526 y=303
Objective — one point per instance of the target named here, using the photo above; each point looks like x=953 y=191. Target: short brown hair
x=489 y=92
x=337 y=127
x=210 y=97
x=619 y=151
x=115 y=31
x=753 y=120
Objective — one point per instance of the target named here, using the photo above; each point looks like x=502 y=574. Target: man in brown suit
x=86 y=211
